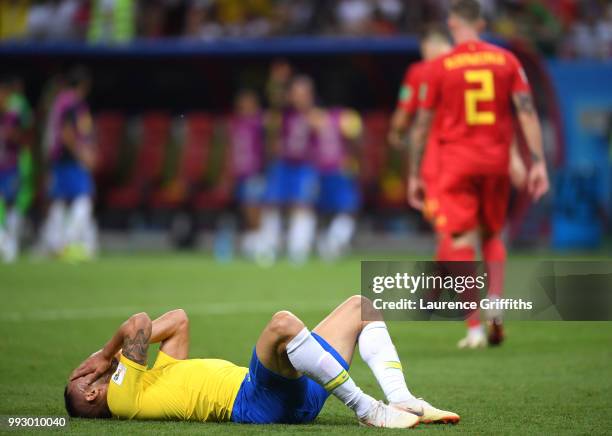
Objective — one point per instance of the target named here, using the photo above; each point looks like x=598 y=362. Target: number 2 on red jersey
x=484 y=93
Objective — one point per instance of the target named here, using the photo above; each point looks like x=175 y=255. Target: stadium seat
x=214 y=191
x=196 y=137
x=374 y=152
x=110 y=128
x=149 y=163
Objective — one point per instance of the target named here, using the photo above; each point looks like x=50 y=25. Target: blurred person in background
x=337 y=132
x=354 y=16
x=246 y=133
x=69 y=229
x=200 y=22
x=434 y=43
x=13 y=18
x=277 y=95
x=56 y=20
x=291 y=180
x=111 y=21
x=15 y=166
x=473 y=89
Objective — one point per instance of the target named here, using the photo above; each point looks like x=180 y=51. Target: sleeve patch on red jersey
x=405 y=93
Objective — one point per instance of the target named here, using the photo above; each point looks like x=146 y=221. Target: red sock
x=494 y=255
x=446 y=252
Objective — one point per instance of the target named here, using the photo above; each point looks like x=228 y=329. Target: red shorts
x=469 y=201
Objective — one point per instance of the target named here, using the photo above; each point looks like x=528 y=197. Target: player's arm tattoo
x=135 y=346
x=418 y=139
x=524 y=103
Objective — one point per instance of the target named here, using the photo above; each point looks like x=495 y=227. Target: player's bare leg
x=269 y=235
x=301 y=232
x=462 y=247
x=344 y=328
x=287 y=348
x=251 y=215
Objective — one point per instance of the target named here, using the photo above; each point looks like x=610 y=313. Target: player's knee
x=465 y=239
x=284 y=324
x=357 y=302
x=182 y=319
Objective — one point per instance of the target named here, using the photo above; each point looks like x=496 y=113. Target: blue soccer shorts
x=70 y=180
x=266 y=397
x=338 y=193
x=291 y=183
x=250 y=190
x=9 y=184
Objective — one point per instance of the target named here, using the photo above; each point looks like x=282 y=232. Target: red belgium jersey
x=471 y=90
x=409 y=102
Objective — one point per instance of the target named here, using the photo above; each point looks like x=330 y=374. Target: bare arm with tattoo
x=132 y=338
x=537 y=178
x=418 y=141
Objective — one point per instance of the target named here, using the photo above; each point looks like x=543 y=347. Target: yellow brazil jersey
x=192 y=389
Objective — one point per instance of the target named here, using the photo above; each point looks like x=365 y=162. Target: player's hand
x=394 y=138
x=92 y=368
x=537 y=181
x=416 y=192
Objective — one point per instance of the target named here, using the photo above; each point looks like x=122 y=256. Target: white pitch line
x=233 y=308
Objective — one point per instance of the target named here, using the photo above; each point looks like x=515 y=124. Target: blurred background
x=163 y=83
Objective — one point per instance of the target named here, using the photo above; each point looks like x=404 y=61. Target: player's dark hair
x=303 y=79
x=74 y=411
x=77 y=76
x=469 y=10
x=435 y=32
x=246 y=92
x=69 y=403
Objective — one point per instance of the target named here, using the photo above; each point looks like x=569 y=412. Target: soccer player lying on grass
x=291 y=374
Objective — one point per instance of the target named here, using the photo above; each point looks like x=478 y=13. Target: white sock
x=477 y=330
x=340 y=232
x=270 y=231
x=302 y=227
x=52 y=238
x=3 y=238
x=338 y=236
x=308 y=356
x=79 y=216
x=378 y=351
x=90 y=237
x=13 y=229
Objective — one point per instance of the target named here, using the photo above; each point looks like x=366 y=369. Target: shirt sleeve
x=520 y=83
x=407 y=99
x=163 y=359
x=430 y=89
x=125 y=388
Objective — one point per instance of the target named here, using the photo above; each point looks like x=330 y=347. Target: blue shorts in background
x=250 y=190
x=9 y=184
x=290 y=183
x=70 y=180
x=338 y=193
x=266 y=397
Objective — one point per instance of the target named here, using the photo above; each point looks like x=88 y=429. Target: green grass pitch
x=548 y=378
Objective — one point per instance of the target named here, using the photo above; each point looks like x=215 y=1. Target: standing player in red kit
x=433 y=45
x=471 y=91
